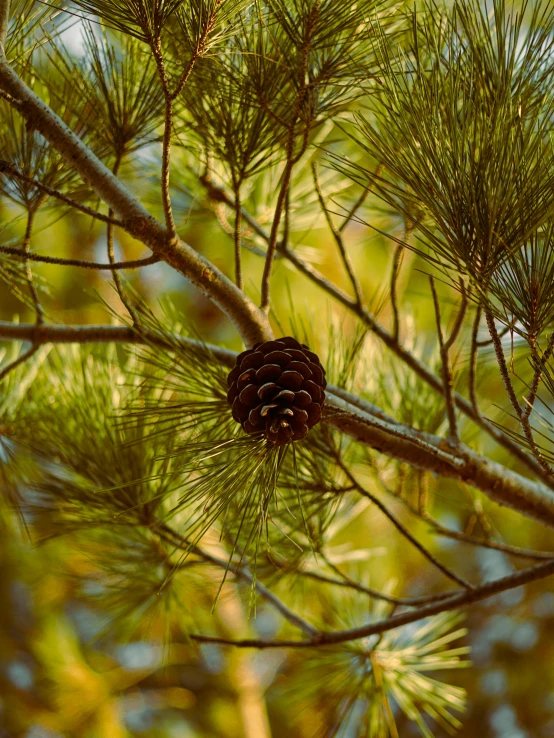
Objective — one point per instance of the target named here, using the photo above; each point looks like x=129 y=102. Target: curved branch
x=526 y=576
x=249 y=320
x=43 y=259
x=7 y=168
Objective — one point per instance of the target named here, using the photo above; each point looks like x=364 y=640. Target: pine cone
x=276 y=388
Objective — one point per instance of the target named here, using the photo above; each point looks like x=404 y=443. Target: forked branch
x=251 y=322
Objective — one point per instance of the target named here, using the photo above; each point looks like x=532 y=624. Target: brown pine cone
x=276 y=388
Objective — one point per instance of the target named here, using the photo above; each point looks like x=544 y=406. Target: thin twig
x=489 y=341
x=524 y=553
x=447 y=379
x=219 y=209
x=185 y=75
x=272 y=243
x=241 y=572
x=20 y=359
x=459 y=321
x=354 y=209
x=9 y=169
x=540 y=362
x=58 y=261
x=111 y=256
x=472 y=376
x=523 y=419
x=169 y=98
x=351 y=584
x=396 y=262
x=290 y=160
x=402 y=528
x=501 y=361
x=338 y=239
x=4 y=19
x=237 y=238
x=467 y=597
x=156 y=47
x=39 y=312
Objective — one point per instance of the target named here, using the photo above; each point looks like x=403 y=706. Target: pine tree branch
x=272 y=242
x=540 y=362
x=403 y=443
x=100 y=266
x=396 y=263
x=394 y=345
x=103 y=334
x=520 y=413
x=237 y=238
x=459 y=320
x=358 y=204
x=501 y=361
x=460 y=599
x=251 y=322
x=348 y=583
x=291 y=158
x=472 y=376
x=338 y=239
x=156 y=47
x=420 y=450
x=241 y=572
x=421 y=512
x=39 y=312
x=447 y=379
x=4 y=20
x=10 y=169
x=20 y=360
x=523 y=553
x=402 y=528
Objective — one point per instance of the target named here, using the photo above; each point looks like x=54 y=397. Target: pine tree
x=327 y=175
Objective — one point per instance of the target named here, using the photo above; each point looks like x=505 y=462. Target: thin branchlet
x=447 y=378
x=517 y=551
x=39 y=312
x=539 y=362
x=402 y=528
x=464 y=598
x=237 y=237
x=4 y=19
x=347 y=263
x=111 y=256
x=59 y=261
x=30 y=352
x=156 y=46
x=348 y=583
x=474 y=351
x=292 y=157
x=505 y=374
x=395 y=271
x=9 y=169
